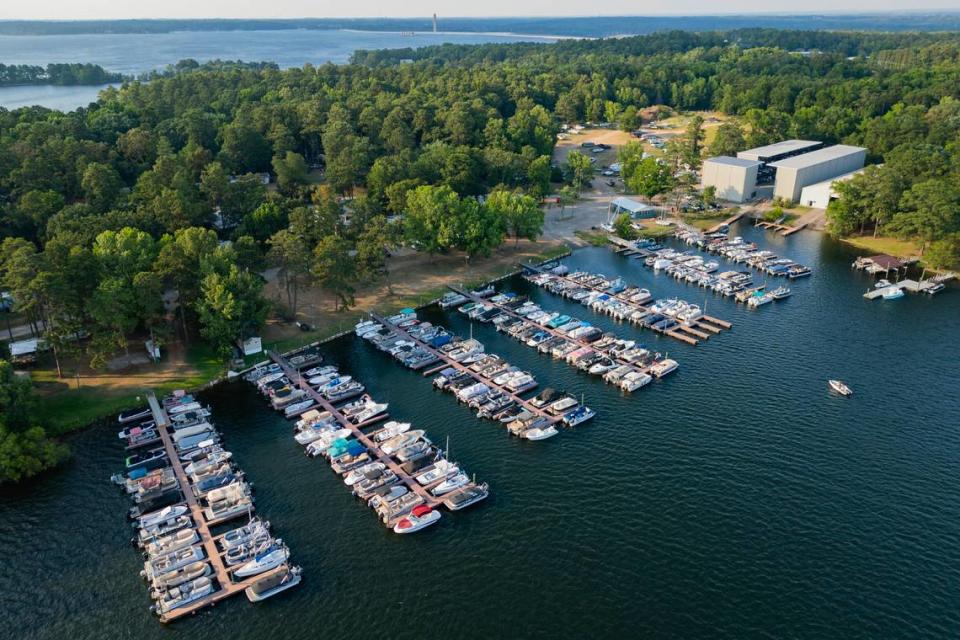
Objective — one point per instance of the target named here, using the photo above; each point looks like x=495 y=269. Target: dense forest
x=56 y=74
x=158 y=187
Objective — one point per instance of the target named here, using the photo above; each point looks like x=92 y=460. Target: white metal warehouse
x=793 y=174
x=735 y=179
x=819 y=195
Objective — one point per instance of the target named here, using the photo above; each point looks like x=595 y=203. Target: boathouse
x=637 y=210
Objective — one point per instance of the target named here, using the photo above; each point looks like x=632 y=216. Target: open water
x=735 y=499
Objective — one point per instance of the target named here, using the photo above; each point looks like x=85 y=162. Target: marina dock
x=909 y=285
x=726 y=222
x=689 y=333
x=227 y=586
x=553 y=332
x=450 y=363
x=357 y=430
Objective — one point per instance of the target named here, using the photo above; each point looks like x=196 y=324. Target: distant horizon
x=559 y=16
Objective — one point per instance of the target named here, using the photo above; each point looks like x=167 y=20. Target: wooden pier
x=726 y=222
x=688 y=333
x=227 y=586
x=450 y=363
x=907 y=285
x=552 y=332
x=357 y=431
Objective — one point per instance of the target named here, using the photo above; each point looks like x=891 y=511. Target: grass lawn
x=63 y=407
x=885 y=244
x=654 y=230
x=593 y=238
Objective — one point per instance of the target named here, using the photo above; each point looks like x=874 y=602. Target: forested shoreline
x=56 y=74
x=158 y=187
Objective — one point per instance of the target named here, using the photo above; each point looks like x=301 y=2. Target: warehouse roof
x=817 y=157
x=778 y=149
x=736 y=162
x=631 y=205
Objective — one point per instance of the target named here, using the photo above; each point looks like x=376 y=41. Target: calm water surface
x=139 y=53
x=735 y=499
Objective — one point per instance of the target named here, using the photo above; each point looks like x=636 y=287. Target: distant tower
x=434 y=23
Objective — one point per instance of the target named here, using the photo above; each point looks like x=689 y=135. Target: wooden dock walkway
x=552 y=332
x=357 y=430
x=465 y=369
x=726 y=222
x=688 y=333
x=907 y=285
x=227 y=587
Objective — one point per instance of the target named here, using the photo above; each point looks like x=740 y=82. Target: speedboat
x=540 y=433
x=270 y=558
x=134 y=414
x=163 y=528
x=578 y=416
x=360 y=473
x=664 y=367
x=272 y=585
x=391 y=430
x=453 y=482
x=420 y=517
x=163 y=515
x=840 y=387
x=396 y=443
x=882 y=283
x=442 y=469
x=172 y=542
x=177 y=577
x=780 y=293
x=467 y=496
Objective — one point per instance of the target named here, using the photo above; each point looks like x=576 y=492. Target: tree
x=623 y=226
x=477 y=229
x=25 y=449
x=709 y=195
x=230 y=308
x=694 y=138
x=521 y=214
x=372 y=249
x=728 y=140
x=944 y=253
x=578 y=170
x=180 y=261
x=568 y=196
x=291 y=254
x=538 y=176
x=291 y=171
x=650 y=178
x=334 y=270
x=101 y=185
x=38 y=207
x=931 y=210
x=430 y=219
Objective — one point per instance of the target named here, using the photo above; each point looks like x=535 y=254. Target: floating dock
x=357 y=430
x=552 y=332
x=906 y=285
x=220 y=571
x=726 y=222
x=690 y=333
x=450 y=363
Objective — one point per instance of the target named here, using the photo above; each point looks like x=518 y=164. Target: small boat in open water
x=421 y=517
x=840 y=387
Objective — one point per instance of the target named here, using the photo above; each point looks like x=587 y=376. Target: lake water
x=140 y=53
x=735 y=499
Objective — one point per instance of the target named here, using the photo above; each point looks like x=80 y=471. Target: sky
x=113 y=9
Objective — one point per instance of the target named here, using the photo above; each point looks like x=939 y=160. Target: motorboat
x=396 y=443
x=179 y=576
x=780 y=293
x=893 y=293
x=172 y=542
x=578 y=416
x=360 y=473
x=184 y=408
x=242 y=535
x=391 y=430
x=421 y=517
x=441 y=469
x=172 y=561
x=297 y=408
x=196 y=429
x=273 y=584
x=840 y=387
x=242 y=553
x=635 y=380
x=163 y=528
x=369 y=412
x=451 y=483
x=183 y=595
x=202 y=466
x=163 y=515
x=466 y=496
x=540 y=433
x=664 y=367
x=882 y=283
x=151 y=457
x=414 y=451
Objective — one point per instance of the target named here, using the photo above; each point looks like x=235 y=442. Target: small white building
x=735 y=179
x=819 y=195
x=793 y=174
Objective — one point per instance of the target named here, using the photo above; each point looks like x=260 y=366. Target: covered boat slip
x=453 y=364
x=364 y=439
x=227 y=586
